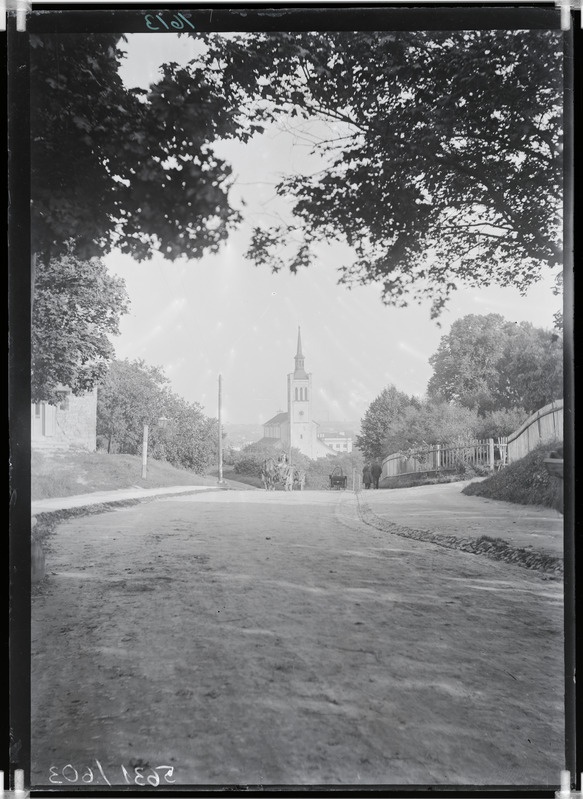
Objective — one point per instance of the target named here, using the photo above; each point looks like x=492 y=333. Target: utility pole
x=289 y=405
x=145 y=453
x=220 y=430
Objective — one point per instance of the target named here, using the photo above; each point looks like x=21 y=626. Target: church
x=297 y=425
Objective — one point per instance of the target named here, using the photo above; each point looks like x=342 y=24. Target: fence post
x=437 y=457
x=491 y=454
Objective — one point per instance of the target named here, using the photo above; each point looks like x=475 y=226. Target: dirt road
x=271 y=638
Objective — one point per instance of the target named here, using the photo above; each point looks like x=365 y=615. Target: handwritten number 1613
x=177 y=23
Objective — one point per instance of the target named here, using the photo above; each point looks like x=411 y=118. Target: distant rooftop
x=277 y=419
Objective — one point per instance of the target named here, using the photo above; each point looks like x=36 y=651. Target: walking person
x=366 y=476
x=376 y=470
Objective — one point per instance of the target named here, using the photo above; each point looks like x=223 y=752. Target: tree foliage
x=442 y=152
x=429 y=423
x=489 y=363
x=189 y=440
x=499 y=423
x=250 y=460
x=135 y=394
x=376 y=423
x=77 y=309
x=438 y=422
x=125 y=167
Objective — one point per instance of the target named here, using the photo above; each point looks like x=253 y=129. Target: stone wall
x=72 y=424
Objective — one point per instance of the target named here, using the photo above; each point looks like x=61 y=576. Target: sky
x=222 y=315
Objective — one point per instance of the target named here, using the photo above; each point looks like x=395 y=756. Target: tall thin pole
x=220 y=429
x=289 y=405
x=145 y=453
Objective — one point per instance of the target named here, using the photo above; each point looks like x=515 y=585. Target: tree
x=489 y=363
x=531 y=369
x=378 y=419
x=500 y=423
x=78 y=307
x=250 y=458
x=132 y=394
x=437 y=422
x=135 y=394
x=442 y=163
x=442 y=154
x=430 y=423
x=189 y=440
x=125 y=167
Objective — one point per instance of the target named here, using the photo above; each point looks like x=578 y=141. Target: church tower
x=299 y=398
x=297 y=427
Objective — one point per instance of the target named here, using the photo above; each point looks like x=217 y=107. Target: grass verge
x=69 y=473
x=525 y=482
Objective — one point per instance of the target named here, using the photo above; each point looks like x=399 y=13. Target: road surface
x=245 y=638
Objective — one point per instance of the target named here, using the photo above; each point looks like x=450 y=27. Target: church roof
x=279 y=418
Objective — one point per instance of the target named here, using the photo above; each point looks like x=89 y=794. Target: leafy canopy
x=442 y=152
x=489 y=374
x=77 y=308
x=134 y=394
x=125 y=167
x=439 y=422
x=489 y=363
x=131 y=395
x=377 y=421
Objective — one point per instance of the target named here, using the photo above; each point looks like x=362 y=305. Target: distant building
x=72 y=424
x=339 y=442
x=296 y=425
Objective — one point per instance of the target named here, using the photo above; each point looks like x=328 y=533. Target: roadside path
x=123 y=494
x=272 y=638
x=444 y=509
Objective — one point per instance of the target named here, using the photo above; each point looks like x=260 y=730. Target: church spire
x=299 y=352
x=299 y=359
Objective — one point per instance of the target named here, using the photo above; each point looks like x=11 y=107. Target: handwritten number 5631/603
x=142 y=775
x=177 y=23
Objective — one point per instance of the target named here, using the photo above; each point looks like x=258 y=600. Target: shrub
x=250 y=459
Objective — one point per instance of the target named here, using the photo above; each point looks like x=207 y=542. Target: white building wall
x=71 y=424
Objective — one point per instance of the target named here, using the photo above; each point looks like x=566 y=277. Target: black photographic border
x=128 y=17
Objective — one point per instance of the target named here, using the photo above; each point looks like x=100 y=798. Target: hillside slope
x=526 y=482
x=66 y=473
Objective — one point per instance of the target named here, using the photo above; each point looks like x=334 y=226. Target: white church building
x=297 y=424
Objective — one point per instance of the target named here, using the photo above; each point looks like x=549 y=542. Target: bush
x=500 y=423
x=249 y=461
x=526 y=482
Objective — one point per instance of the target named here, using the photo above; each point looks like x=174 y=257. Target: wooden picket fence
x=490 y=453
x=546 y=425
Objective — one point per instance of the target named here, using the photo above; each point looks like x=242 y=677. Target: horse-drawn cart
x=338 y=479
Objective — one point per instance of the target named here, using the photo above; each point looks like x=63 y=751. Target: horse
x=295 y=478
x=275 y=472
x=299 y=478
x=269 y=474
